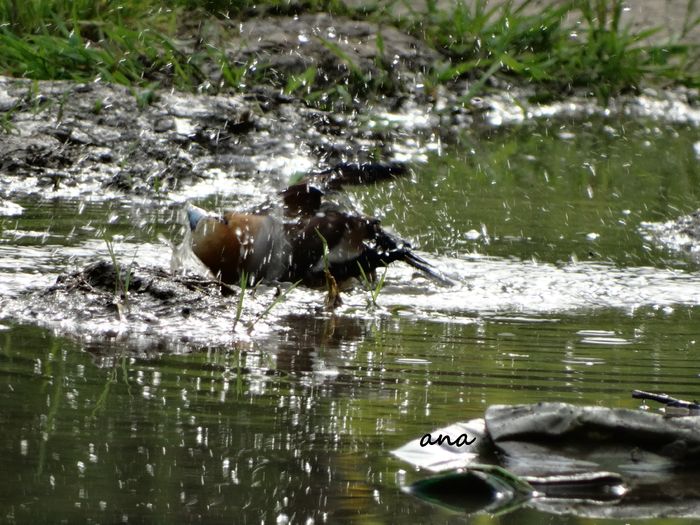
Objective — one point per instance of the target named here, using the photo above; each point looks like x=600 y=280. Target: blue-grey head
x=194 y=215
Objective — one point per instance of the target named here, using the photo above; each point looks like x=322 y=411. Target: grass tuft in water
x=112 y=378
x=122 y=280
x=279 y=298
x=374 y=287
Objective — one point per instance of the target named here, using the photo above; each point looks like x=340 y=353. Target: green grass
x=120 y=56
x=374 y=288
x=122 y=281
x=278 y=299
x=139 y=44
x=483 y=39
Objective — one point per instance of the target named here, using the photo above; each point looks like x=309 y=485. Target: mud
x=679 y=235
x=98 y=137
x=65 y=138
x=146 y=308
x=290 y=45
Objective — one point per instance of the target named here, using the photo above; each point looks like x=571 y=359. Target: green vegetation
x=279 y=298
x=486 y=38
x=243 y=284
x=373 y=286
x=564 y=46
x=122 y=280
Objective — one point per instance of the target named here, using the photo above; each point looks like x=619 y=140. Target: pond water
x=559 y=296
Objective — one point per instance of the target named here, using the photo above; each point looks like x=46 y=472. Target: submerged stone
x=574 y=458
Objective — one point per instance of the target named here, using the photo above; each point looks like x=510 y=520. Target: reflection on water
x=533 y=195
x=299 y=424
x=558 y=297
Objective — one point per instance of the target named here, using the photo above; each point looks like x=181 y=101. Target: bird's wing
x=305 y=196
x=301 y=199
x=351 y=174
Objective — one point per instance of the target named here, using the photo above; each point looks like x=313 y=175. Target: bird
x=300 y=237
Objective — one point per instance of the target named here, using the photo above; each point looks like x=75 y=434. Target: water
x=559 y=297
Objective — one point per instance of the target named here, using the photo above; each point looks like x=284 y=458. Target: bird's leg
x=333 y=299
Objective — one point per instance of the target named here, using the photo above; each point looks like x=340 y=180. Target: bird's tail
x=422 y=265
x=398 y=249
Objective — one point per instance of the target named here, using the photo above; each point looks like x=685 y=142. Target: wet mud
x=681 y=235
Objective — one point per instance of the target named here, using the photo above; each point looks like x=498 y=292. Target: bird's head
x=194 y=215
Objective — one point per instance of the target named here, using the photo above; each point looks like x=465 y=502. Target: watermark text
x=459 y=441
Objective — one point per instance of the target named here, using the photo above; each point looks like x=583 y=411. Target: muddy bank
x=74 y=139
x=62 y=138
x=149 y=309
x=65 y=139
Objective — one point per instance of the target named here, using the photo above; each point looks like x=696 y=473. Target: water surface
x=558 y=296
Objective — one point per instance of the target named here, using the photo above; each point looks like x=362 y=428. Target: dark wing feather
x=351 y=174
x=305 y=197
x=301 y=199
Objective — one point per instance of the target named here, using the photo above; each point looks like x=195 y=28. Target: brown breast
x=240 y=243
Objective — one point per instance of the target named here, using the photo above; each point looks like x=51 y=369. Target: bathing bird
x=303 y=237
